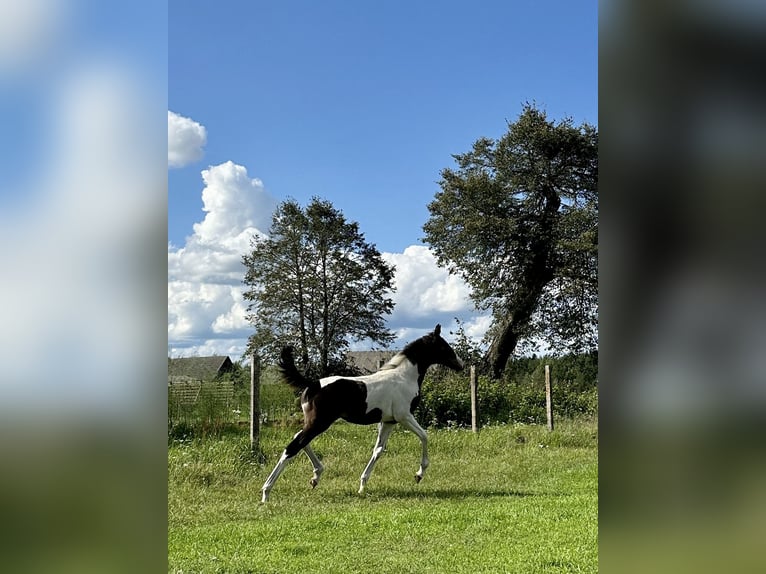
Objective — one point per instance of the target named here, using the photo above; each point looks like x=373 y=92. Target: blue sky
x=359 y=103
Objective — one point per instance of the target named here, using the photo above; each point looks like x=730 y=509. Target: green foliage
x=239 y=375
x=213 y=414
x=445 y=399
x=209 y=412
x=517 y=220
x=517 y=398
x=315 y=283
x=465 y=347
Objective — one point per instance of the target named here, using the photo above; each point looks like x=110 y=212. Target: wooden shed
x=198 y=368
x=369 y=361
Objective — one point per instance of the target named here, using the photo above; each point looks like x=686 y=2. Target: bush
x=517 y=398
x=211 y=413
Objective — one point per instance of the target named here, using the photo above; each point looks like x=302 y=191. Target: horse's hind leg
x=287 y=455
x=269 y=484
x=316 y=463
x=299 y=442
x=384 y=431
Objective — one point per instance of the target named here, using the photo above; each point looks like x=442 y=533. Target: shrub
x=517 y=398
x=211 y=413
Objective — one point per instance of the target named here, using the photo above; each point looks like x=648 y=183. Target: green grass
x=510 y=499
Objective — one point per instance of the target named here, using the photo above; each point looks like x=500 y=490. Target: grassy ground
x=510 y=499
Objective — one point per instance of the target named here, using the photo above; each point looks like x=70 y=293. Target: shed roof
x=199 y=368
x=369 y=361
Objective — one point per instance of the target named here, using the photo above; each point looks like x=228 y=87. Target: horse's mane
x=405 y=353
x=394 y=362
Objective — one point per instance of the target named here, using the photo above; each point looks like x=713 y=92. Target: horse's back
x=385 y=395
x=328 y=380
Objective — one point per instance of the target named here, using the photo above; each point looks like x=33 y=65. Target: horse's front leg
x=384 y=431
x=412 y=424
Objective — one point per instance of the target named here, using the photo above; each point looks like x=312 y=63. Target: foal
x=386 y=397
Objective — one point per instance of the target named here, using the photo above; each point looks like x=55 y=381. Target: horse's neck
x=395 y=362
x=404 y=369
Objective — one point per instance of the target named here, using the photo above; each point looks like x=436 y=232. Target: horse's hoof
x=418 y=478
x=313 y=482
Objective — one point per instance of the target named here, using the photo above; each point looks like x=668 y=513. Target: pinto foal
x=386 y=397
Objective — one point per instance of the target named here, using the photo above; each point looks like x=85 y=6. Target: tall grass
x=211 y=414
x=512 y=498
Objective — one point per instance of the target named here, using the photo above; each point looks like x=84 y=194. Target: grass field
x=510 y=499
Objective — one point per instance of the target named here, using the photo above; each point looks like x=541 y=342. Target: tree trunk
x=502 y=347
x=536 y=276
x=517 y=319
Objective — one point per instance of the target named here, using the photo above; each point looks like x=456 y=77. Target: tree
x=313 y=283
x=518 y=221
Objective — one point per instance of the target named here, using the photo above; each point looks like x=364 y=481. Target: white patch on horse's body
x=388 y=391
x=386 y=397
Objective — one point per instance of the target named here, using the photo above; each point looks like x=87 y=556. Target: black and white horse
x=386 y=397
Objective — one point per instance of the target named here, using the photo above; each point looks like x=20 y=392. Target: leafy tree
x=517 y=220
x=465 y=347
x=314 y=283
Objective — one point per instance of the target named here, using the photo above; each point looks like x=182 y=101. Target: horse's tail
x=291 y=375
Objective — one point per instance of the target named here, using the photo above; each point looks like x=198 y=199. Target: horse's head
x=440 y=351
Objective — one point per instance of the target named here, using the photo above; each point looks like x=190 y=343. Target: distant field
x=513 y=498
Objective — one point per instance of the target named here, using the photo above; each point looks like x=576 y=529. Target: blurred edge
x=682 y=133
x=682 y=95
x=83 y=101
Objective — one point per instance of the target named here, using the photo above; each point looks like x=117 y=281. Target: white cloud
x=476 y=327
x=234 y=348
x=427 y=294
x=423 y=289
x=186 y=138
x=236 y=205
x=237 y=208
x=233 y=320
x=192 y=307
x=206 y=312
x=205 y=275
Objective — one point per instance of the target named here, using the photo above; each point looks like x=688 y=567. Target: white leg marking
x=267 y=486
x=384 y=431
x=412 y=424
x=316 y=463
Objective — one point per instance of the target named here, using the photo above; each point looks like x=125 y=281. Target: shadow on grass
x=443 y=494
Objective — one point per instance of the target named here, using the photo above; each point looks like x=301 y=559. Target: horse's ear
x=438 y=330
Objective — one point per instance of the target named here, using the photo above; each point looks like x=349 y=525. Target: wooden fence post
x=255 y=402
x=474 y=401
x=548 y=398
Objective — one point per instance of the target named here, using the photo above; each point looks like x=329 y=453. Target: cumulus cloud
x=423 y=288
x=186 y=138
x=206 y=312
x=236 y=206
x=427 y=294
